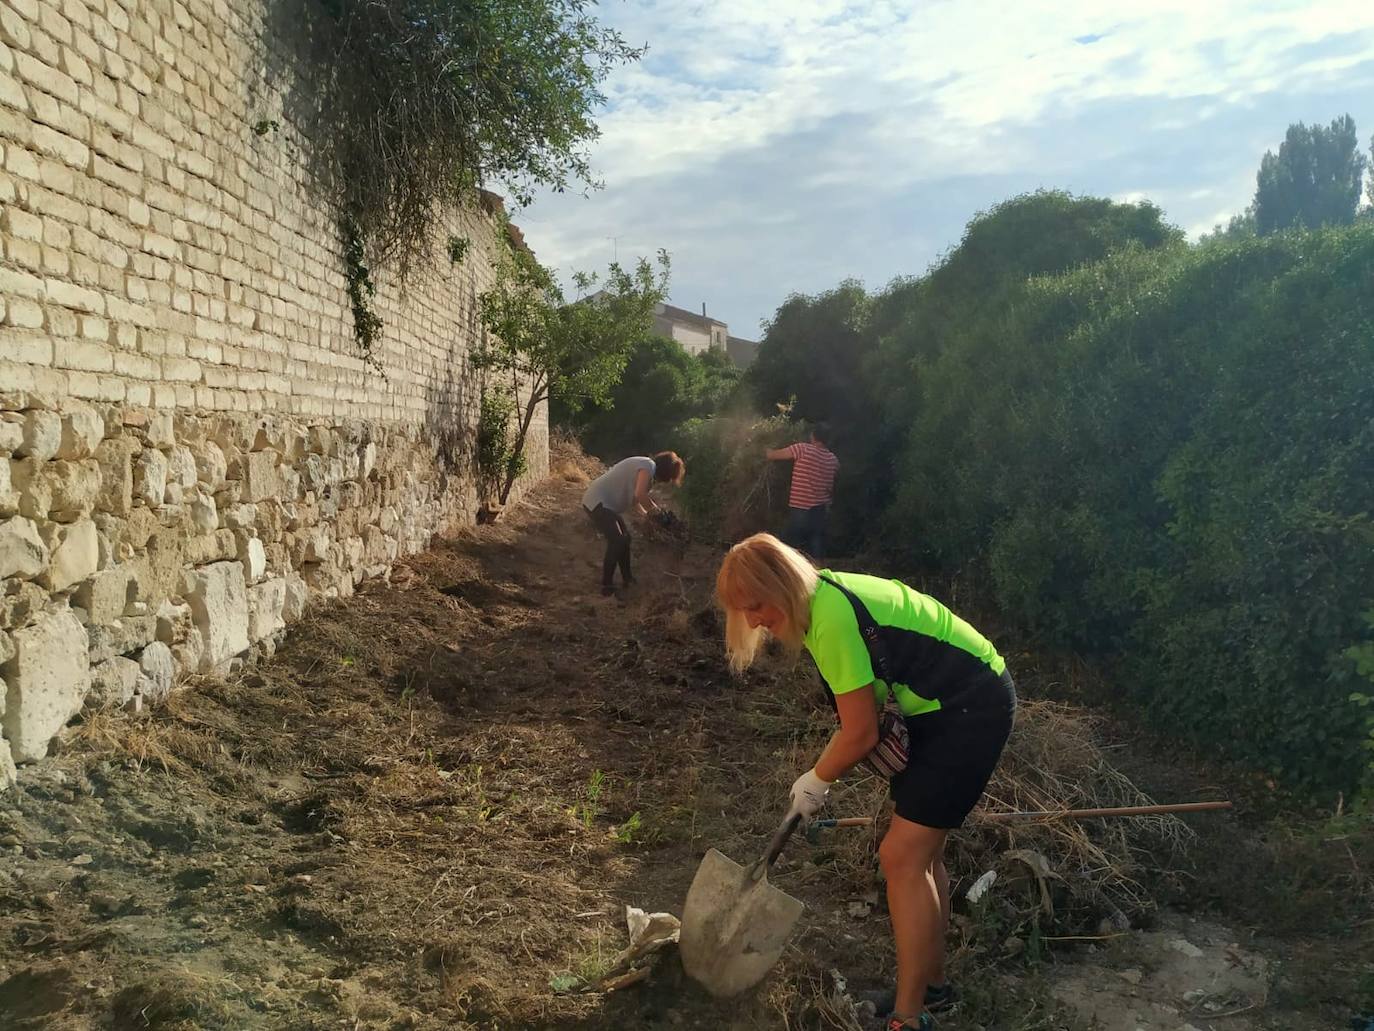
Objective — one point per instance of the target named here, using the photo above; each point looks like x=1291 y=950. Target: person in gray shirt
x=622 y=488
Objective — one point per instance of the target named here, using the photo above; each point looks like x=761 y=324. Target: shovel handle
x=780 y=837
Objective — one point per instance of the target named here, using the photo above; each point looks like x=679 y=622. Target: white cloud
x=753 y=125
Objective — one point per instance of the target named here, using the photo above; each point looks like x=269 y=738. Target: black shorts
x=953 y=753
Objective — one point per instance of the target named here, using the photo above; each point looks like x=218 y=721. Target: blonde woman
x=953 y=690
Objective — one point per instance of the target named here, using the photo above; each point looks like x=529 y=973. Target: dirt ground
x=430 y=809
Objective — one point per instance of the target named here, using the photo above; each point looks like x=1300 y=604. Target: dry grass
x=475 y=766
x=567 y=461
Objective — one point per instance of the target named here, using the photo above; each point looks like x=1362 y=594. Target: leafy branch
x=418 y=103
x=577 y=350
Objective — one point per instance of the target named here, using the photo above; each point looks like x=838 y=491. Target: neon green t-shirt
x=932 y=653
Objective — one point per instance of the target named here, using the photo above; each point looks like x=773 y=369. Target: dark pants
x=617 y=536
x=805 y=530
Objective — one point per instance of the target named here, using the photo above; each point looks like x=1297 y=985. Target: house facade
x=697 y=334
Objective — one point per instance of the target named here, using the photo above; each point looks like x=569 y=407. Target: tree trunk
x=537 y=396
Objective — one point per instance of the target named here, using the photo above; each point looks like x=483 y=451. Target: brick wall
x=189 y=440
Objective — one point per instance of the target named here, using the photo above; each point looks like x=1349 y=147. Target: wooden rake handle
x=1127 y=810
x=1053 y=814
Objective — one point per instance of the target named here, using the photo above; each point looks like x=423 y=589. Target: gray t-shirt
x=615 y=488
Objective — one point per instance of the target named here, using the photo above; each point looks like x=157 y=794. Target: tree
x=420 y=102
x=1369 y=186
x=1313 y=180
x=662 y=387
x=811 y=352
x=577 y=350
x=1238 y=227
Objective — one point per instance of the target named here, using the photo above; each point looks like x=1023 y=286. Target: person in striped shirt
x=813 y=476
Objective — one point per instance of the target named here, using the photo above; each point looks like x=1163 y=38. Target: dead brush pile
x=731 y=489
x=568 y=462
x=1055 y=878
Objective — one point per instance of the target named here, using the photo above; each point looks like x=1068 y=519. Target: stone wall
x=190 y=444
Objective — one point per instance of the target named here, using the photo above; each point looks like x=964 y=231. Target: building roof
x=668 y=311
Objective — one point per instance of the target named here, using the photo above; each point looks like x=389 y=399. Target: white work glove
x=809 y=795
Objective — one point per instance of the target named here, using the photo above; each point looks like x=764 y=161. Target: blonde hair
x=762 y=570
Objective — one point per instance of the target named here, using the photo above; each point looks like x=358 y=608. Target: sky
x=781 y=146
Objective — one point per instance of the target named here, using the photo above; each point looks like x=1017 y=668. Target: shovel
x=735 y=924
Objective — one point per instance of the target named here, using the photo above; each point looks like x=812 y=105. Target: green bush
x=731 y=489
x=662 y=386
x=1162 y=456
x=1168 y=457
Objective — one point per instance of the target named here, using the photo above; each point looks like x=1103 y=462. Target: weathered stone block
x=211 y=547
x=266 y=602
x=241 y=517
x=47 y=679
x=6 y=653
x=83 y=429
x=173 y=621
x=271 y=432
x=121 y=637
x=353 y=552
x=107 y=529
x=9 y=776
x=160 y=430
x=42 y=435
x=150 y=476
x=34 y=490
x=181 y=467
x=219 y=606
x=316 y=544
x=23 y=553
x=190 y=650
x=105 y=595
x=367 y=460
x=375 y=551
x=230 y=432
x=115 y=459
x=11 y=432
x=21 y=604
x=157 y=671
x=259 y=475
x=75 y=554
x=298 y=514
x=290 y=483
x=313 y=473
x=251 y=554
x=74 y=488
x=211 y=465
x=158 y=571
x=9 y=497
x=229 y=495
x=139 y=528
x=113 y=683
x=204 y=517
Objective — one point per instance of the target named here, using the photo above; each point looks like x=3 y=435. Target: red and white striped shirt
x=813 y=475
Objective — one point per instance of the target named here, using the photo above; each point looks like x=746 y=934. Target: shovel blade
x=734 y=926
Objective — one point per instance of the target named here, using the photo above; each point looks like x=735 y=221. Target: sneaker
x=607 y=590
x=939 y=999
x=925 y=1022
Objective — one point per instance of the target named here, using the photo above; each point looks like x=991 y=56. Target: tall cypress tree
x=1313 y=180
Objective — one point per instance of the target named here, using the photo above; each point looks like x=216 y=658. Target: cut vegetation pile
x=430 y=809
